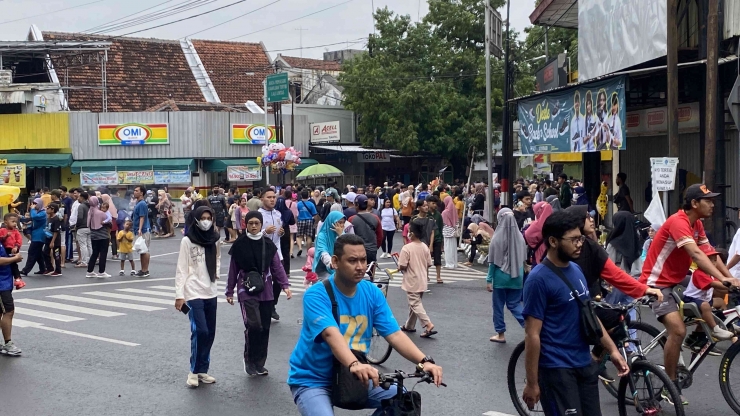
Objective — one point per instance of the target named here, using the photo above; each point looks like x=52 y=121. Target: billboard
x=13 y=174
x=133 y=134
x=244 y=173
x=135 y=177
x=325 y=132
x=172 y=176
x=251 y=134
x=587 y=118
x=554 y=74
x=612 y=36
x=98 y=178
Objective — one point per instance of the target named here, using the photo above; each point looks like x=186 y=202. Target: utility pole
x=710 y=145
x=489 y=142
x=672 y=95
x=507 y=148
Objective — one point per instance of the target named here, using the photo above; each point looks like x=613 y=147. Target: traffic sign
x=664 y=173
x=278 y=87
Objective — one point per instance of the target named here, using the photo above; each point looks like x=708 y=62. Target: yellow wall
x=606 y=155
x=69 y=179
x=34 y=131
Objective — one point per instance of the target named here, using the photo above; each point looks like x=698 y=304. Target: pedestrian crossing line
x=101 y=302
x=20 y=323
x=170 y=294
x=122 y=296
x=124 y=282
x=70 y=308
x=47 y=315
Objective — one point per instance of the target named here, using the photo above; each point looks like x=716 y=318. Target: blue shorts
x=695 y=301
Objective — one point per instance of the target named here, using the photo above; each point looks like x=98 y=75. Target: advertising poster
x=244 y=173
x=171 y=176
x=326 y=132
x=136 y=177
x=98 y=178
x=251 y=134
x=133 y=134
x=13 y=174
x=588 y=118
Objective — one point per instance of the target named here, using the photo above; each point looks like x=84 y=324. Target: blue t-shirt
x=547 y=298
x=312 y=360
x=306 y=211
x=141 y=210
x=422 y=196
x=6 y=275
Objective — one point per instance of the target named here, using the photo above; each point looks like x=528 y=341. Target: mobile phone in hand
x=185 y=308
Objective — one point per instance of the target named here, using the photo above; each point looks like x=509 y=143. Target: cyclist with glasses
x=668 y=260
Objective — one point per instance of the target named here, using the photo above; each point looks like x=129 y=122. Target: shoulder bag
x=254 y=281
x=347 y=391
x=590 y=326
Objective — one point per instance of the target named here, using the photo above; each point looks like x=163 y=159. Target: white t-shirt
x=387 y=219
x=734 y=249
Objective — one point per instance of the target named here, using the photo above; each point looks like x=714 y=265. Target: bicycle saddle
x=690 y=310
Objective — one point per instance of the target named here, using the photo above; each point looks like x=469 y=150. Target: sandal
x=428 y=333
x=404 y=329
x=467 y=263
x=439 y=282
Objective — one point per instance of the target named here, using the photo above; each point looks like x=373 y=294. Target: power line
x=53 y=11
x=230 y=20
x=157 y=15
x=103 y=25
x=358 y=40
x=293 y=20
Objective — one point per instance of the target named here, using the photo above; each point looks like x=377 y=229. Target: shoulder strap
x=562 y=277
x=334 y=306
x=373 y=227
x=264 y=260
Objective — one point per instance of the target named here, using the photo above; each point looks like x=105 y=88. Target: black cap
x=699 y=191
x=361 y=201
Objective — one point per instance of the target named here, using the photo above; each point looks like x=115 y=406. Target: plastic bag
x=140 y=245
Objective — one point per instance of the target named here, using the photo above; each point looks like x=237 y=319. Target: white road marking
x=162 y=255
x=71 y=308
x=122 y=296
x=170 y=294
x=139 y=280
x=492 y=413
x=107 y=303
x=47 y=315
x=28 y=324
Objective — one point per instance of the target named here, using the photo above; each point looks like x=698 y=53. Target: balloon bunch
x=279 y=158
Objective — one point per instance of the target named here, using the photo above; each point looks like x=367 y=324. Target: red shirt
x=11 y=238
x=667 y=263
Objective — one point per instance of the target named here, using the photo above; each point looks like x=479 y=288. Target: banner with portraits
x=586 y=118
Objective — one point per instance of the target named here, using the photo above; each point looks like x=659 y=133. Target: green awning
x=220 y=165
x=132 y=164
x=306 y=163
x=39 y=160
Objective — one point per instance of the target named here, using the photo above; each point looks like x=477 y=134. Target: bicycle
x=642 y=372
x=380 y=349
x=403 y=401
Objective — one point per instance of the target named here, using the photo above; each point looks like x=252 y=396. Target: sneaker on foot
x=275 y=315
x=142 y=273
x=262 y=371
x=49 y=273
x=667 y=397
x=91 y=274
x=55 y=274
x=39 y=272
x=721 y=334
x=299 y=253
x=250 y=369
x=19 y=284
x=205 y=378
x=103 y=275
x=133 y=273
x=192 y=380
x=10 y=349
x=121 y=273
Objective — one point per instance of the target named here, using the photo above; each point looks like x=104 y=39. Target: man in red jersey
x=674 y=247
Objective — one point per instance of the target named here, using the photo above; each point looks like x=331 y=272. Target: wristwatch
x=426 y=359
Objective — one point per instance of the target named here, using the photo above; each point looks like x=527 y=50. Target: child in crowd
x=125 y=240
x=108 y=217
x=651 y=234
x=414 y=261
x=700 y=291
x=11 y=239
x=53 y=244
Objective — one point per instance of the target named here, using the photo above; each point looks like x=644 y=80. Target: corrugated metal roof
x=14 y=97
x=349 y=148
x=732 y=19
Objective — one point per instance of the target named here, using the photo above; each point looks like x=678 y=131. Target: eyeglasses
x=576 y=240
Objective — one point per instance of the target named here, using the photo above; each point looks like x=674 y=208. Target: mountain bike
x=380 y=349
x=405 y=402
x=641 y=387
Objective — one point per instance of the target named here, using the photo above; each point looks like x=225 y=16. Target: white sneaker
x=192 y=380
x=103 y=275
x=121 y=273
x=10 y=349
x=91 y=274
x=133 y=272
x=205 y=378
x=721 y=334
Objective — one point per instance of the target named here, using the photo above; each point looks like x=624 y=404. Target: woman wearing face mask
x=255 y=252
x=195 y=286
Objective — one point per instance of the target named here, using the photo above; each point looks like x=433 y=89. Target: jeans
x=35 y=255
x=83 y=240
x=99 y=254
x=203 y=331
x=512 y=298
x=69 y=241
x=388 y=241
x=316 y=401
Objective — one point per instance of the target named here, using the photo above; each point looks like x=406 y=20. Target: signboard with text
x=278 y=87
x=172 y=176
x=98 y=178
x=133 y=134
x=325 y=132
x=664 y=173
x=243 y=173
x=373 y=157
x=135 y=177
x=13 y=174
x=251 y=134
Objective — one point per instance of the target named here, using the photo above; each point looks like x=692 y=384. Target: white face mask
x=204 y=225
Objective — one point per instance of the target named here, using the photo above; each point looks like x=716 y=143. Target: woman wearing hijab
x=195 y=286
x=479 y=199
x=623 y=248
x=255 y=252
x=506 y=256
x=38 y=219
x=449 y=218
x=554 y=203
x=288 y=220
x=114 y=224
x=99 y=238
x=240 y=213
x=330 y=230
x=533 y=234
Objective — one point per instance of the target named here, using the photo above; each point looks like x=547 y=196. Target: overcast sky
x=345 y=25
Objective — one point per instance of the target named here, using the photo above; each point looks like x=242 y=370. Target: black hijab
x=593 y=257
x=624 y=236
x=247 y=253
x=206 y=239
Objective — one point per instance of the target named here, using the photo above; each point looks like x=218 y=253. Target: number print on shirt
x=356 y=326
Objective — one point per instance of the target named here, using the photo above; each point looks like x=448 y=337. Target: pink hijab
x=95 y=216
x=449 y=215
x=533 y=234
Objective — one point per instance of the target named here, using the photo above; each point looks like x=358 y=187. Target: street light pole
x=489 y=143
x=267 y=133
x=507 y=148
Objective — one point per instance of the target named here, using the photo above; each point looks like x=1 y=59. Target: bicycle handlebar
x=645 y=300
x=387 y=380
x=730 y=287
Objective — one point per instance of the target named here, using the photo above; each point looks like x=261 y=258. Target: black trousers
x=388 y=241
x=99 y=251
x=113 y=243
x=276 y=289
x=570 y=391
x=256 y=316
x=56 y=253
x=35 y=255
x=285 y=250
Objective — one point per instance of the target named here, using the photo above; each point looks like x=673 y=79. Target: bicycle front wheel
x=650 y=384
x=380 y=349
x=653 y=350
x=516 y=377
x=729 y=380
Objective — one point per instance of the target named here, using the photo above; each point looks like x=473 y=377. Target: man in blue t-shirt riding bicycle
x=361 y=307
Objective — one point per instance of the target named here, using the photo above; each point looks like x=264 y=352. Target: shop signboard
x=374 y=157
x=13 y=174
x=586 y=118
x=172 y=176
x=133 y=134
x=98 y=178
x=326 y=132
x=136 y=177
x=251 y=134
x=244 y=173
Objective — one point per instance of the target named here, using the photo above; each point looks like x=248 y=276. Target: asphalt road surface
x=118 y=347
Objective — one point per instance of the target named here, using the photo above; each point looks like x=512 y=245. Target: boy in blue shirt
x=361 y=307
x=560 y=371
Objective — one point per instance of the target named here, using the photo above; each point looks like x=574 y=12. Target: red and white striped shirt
x=667 y=264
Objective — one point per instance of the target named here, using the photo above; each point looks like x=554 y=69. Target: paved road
x=118 y=347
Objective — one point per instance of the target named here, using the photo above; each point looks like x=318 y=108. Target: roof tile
x=308 y=63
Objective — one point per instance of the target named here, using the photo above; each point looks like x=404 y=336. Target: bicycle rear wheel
x=516 y=377
x=380 y=349
x=729 y=380
x=649 y=381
